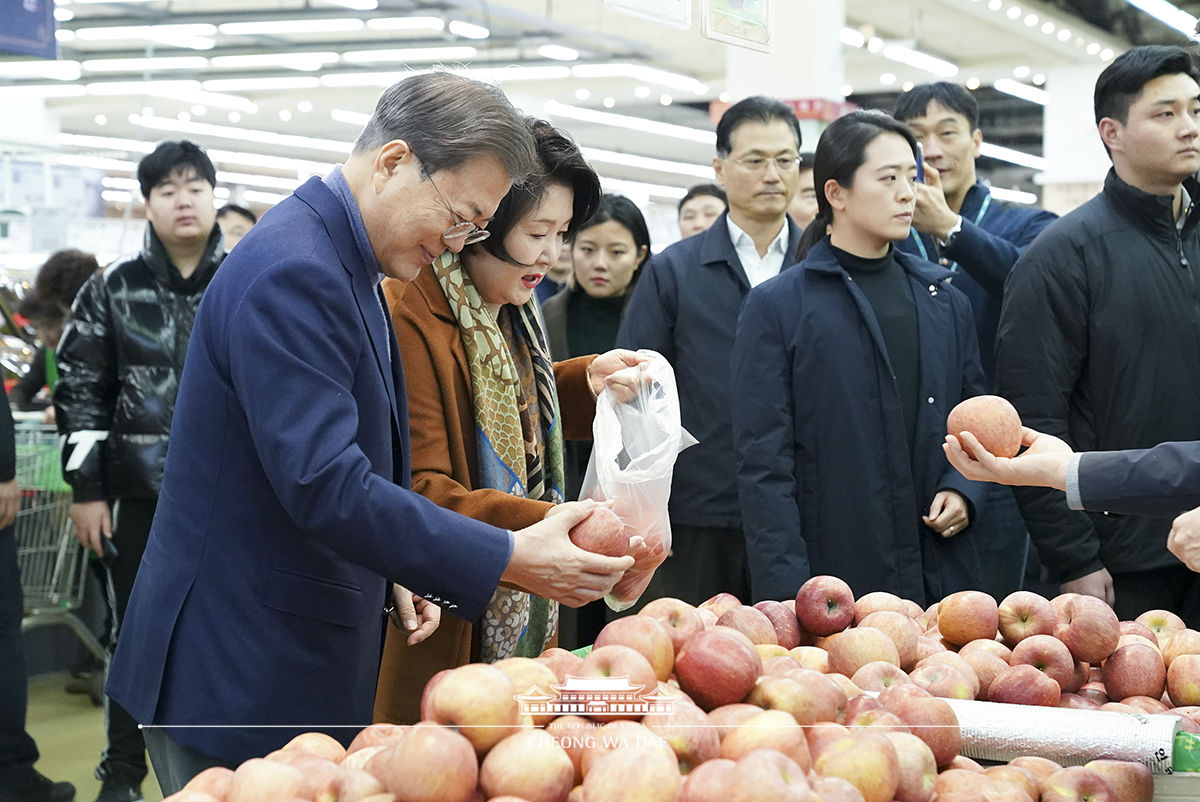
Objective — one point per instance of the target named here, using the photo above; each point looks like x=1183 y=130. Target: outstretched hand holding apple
x=545 y=561
x=1044 y=462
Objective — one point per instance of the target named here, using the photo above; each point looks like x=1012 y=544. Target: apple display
x=429 y=762
x=1186 y=641
x=877 y=600
x=787 y=627
x=526 y=674
x=770 y=729
x=476 y=699
x=879 y=675
x=1023 y=778
x=689 y=733
x=1183 y=680
x=928 y=718
x=647 y=636
x=918 y=769
x=811 y=657
x=530 y=765
x=719 y=603
x=867 y=760
x=901 y=629
x=942 y=680
x=1162 y=623
x=717 y=667
x=1089 y=628
x=633 y=775
x=620 y=661
x=1135 y=669
x=1023 y=613
x=987 y=666
x=707 y=782
x=750 y=622
x=967 y=615
x=766 y=774
x=1047 y=654
x=992 y=419
x=1130 y=782
x=1023 y=684
x=1076 y=784
x=854 y=648
x=562 y=662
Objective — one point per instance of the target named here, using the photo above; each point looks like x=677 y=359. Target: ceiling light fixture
x=52 y=70
x=1012 y=195
x=1013 y=156
x=285 y=26
x=355 y=118
x=1169 y=14
x=468 y=30
x=1024 y=91
x=852 y=37
x=151 y=64
x=259 y=84
x=640 y=73
x=920 y=60
x=124 y=32
x=556 y=109
x=647 y=163
x=306 y=62
x=357 y=5
x=408 y=54
x=558 y=53
x=406 y=24
x=273 y=138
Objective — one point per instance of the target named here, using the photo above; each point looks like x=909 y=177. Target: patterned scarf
x=518 y=435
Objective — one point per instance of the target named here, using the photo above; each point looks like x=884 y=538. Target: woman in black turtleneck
x=608 y=254
x=844 y=368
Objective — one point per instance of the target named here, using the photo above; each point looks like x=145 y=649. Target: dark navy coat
x=993 y=237
x=686 y=307
x=1163 y=481
x=258 y=606
x=826 y=480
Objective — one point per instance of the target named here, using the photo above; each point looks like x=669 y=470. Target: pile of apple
x=766 y=703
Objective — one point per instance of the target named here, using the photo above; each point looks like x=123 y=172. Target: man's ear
x=719 y=170
x=835 y=193
x=1111 y=133
x=392 y=156
x=977 y=140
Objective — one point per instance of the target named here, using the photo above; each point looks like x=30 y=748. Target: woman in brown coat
x=488 y=410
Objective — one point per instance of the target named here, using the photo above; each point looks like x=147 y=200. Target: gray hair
x=447 y=120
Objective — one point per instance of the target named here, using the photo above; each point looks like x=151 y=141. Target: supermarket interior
x=1026 y=207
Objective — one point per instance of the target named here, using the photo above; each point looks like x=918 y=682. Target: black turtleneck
x=592 y=323
x=887 y=288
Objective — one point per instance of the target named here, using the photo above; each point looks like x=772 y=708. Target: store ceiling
x=254 y=89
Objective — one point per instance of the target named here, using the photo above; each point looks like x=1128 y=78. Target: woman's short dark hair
x=60 y=278
x=158 y=165
x=559 y=162
x=841 y=150
x=624 y=211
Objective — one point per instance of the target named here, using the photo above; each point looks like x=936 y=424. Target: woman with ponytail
x=844 y=370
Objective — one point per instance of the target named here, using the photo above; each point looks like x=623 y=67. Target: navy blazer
x=827 y=481
x=284 y=507
x=685 y=307
x=1163 y=481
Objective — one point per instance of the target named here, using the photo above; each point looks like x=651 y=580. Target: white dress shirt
x=759 y=268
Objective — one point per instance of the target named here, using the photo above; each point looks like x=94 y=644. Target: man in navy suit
x=285 y=508
x=1162 y=481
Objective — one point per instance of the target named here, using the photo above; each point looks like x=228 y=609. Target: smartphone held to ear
x=920 y=163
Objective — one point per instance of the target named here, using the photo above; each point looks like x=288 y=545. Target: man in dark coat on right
x=1099 y=335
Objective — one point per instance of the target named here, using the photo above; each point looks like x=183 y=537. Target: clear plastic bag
x=634 y=446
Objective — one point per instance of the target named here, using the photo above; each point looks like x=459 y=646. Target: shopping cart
x=52 y=563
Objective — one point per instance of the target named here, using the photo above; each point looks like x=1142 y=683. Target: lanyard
x=953 y=266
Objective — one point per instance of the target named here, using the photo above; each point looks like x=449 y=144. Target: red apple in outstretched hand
x=992 y=419
x=601 y=532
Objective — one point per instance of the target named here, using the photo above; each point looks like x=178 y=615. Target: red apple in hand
x=824 y=605
x=601 y=532
x=992 y=419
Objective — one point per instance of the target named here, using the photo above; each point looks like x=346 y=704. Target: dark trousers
x=1174 y=588
x=18 y=752
x=174 y=763
x=1002 y=542
x=125 y=756
x=704 y=561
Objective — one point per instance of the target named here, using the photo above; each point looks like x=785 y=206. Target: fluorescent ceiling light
x=116 y=196
x=920 y=60
x=302 y=167
x=353 y=79
x=1012 y=195
x=145 y=64
x=515 y=72
x=1013 y=156
x=1168 y=13
x=95 y=162
x=556 y=109
x=54 y=70
x=558 y=52
x=647 y=163
x=357 y=5
x=348 y=117
x=635 y=188
x=404 y=55
x=240 y=134
x=308 y=62
x=157 y=88
x=268 y=181
x=468 y=30
x=406 y=24
x=275 y=27
x=42 y=90
x=641 y=73
x=119 y=32
x=1024 y=91
x=259 y=84
x=269 y=198
x=852 y=37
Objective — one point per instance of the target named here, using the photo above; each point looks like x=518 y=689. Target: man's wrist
x=951 y=232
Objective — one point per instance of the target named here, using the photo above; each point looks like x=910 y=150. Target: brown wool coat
x=445 y=465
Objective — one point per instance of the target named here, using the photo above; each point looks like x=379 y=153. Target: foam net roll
x=1070 y=737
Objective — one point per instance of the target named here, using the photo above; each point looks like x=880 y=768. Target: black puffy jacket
x=119 y=364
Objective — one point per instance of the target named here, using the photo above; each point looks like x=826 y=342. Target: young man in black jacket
x=958 y=224
x=119 y=364
x=1099 y=336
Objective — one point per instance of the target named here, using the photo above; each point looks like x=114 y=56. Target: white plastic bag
x=634 y=446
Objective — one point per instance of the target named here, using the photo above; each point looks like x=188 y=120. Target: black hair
x=805 y=160
x=841 y=150
x=760 y=109
x=1123 y=80
x=949 y=95
x=39 y=309
x=702 y=190
x=60 y=277
x=559 y=162
x=624 y=211
x=233 y=208
x=157 y=166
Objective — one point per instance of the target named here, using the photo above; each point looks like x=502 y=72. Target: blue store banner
x=27 y=27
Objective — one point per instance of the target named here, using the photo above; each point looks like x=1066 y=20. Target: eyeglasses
x=757 y=164
x=468 y=231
